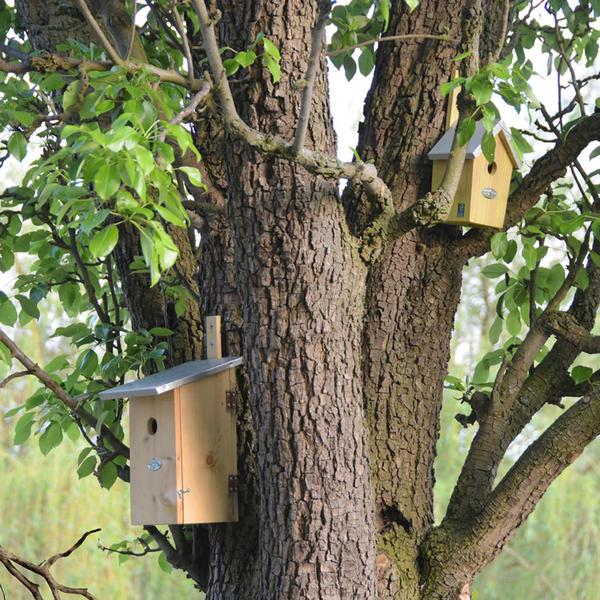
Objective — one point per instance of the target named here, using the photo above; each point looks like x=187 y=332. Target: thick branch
x=566 y=327
x=466 y=549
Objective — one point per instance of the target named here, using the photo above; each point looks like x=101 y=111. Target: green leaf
x=521 y=145
x=271 y=49
x=145 y=159
x=5 y=354
x=274 y=68
x=86 y=467
x=450 y=85
x=582 y=280
x=366 y=61
x=349 y=67
x=161 y=332
x=163 y=563
x=53 y=82
x=17 y=145
x=513 y=322
x=107 y=181
x=51 y=438
x=104 y=241
x=465 y=132
x=495 y=331
x=482 y=90
x=193 y=175
x=245 y=59
x=488 y=145
x=494 y=270
x=499 y=244
x=412 y=4
x=455 y=383
x=56 y=364
x=71 y=95
x=23 y=429
x=108 y=475
x=87 y=363
x=530 y=256
x=231 y=65
x=8 y=313
x=581 y=374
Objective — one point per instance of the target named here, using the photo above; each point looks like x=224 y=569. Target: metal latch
x=233 y=484
x=231 y=400
x=181 y=492
x=154 y=465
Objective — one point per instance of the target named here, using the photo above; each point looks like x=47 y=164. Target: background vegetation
x=554 y=555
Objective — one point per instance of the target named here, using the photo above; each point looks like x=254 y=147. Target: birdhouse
x=482 y=192
x=183 y=463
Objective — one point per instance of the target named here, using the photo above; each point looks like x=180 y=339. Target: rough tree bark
x=344 y=361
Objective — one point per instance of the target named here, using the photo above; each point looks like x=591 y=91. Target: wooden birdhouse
x=183 y=464
x=482 y=192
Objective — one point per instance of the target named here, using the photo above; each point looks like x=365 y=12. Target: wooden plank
x=153 y=434
x=213 y=337
x=491 y=212
x=452 y=110
x=209 y=450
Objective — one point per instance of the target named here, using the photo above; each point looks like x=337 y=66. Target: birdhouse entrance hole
x=492 y=168
x=152 y=426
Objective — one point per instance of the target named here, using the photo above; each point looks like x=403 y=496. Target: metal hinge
x=233 y=484
x=181 y=492
x=231 y=400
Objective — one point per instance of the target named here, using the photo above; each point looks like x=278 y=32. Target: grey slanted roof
x=441 y=150
x=172 y=378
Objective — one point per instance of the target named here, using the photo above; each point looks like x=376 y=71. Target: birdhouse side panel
x=461 y=206
x=155 y=460
x=490 y=189
x=209 y=450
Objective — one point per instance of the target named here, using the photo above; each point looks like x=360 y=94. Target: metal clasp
x=181 y=492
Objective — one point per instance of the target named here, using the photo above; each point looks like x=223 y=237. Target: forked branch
x=15 y=565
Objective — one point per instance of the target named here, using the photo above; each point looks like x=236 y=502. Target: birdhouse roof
x=441 y=150
x=172 y=378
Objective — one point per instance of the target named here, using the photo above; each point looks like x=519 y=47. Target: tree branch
x=566 y=327
x=110 y=50
x=62 y=395
x=11 y=561
x=314 y=59
x=465 y=547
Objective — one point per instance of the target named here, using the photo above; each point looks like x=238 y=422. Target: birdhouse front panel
x=155 y=462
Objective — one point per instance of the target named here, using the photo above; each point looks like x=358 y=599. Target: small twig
x=190 y=109
x=72 y=549
x=186 y=44
x=89 y=17
x=393 y=38
x=314 y=58
x=13 y=376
